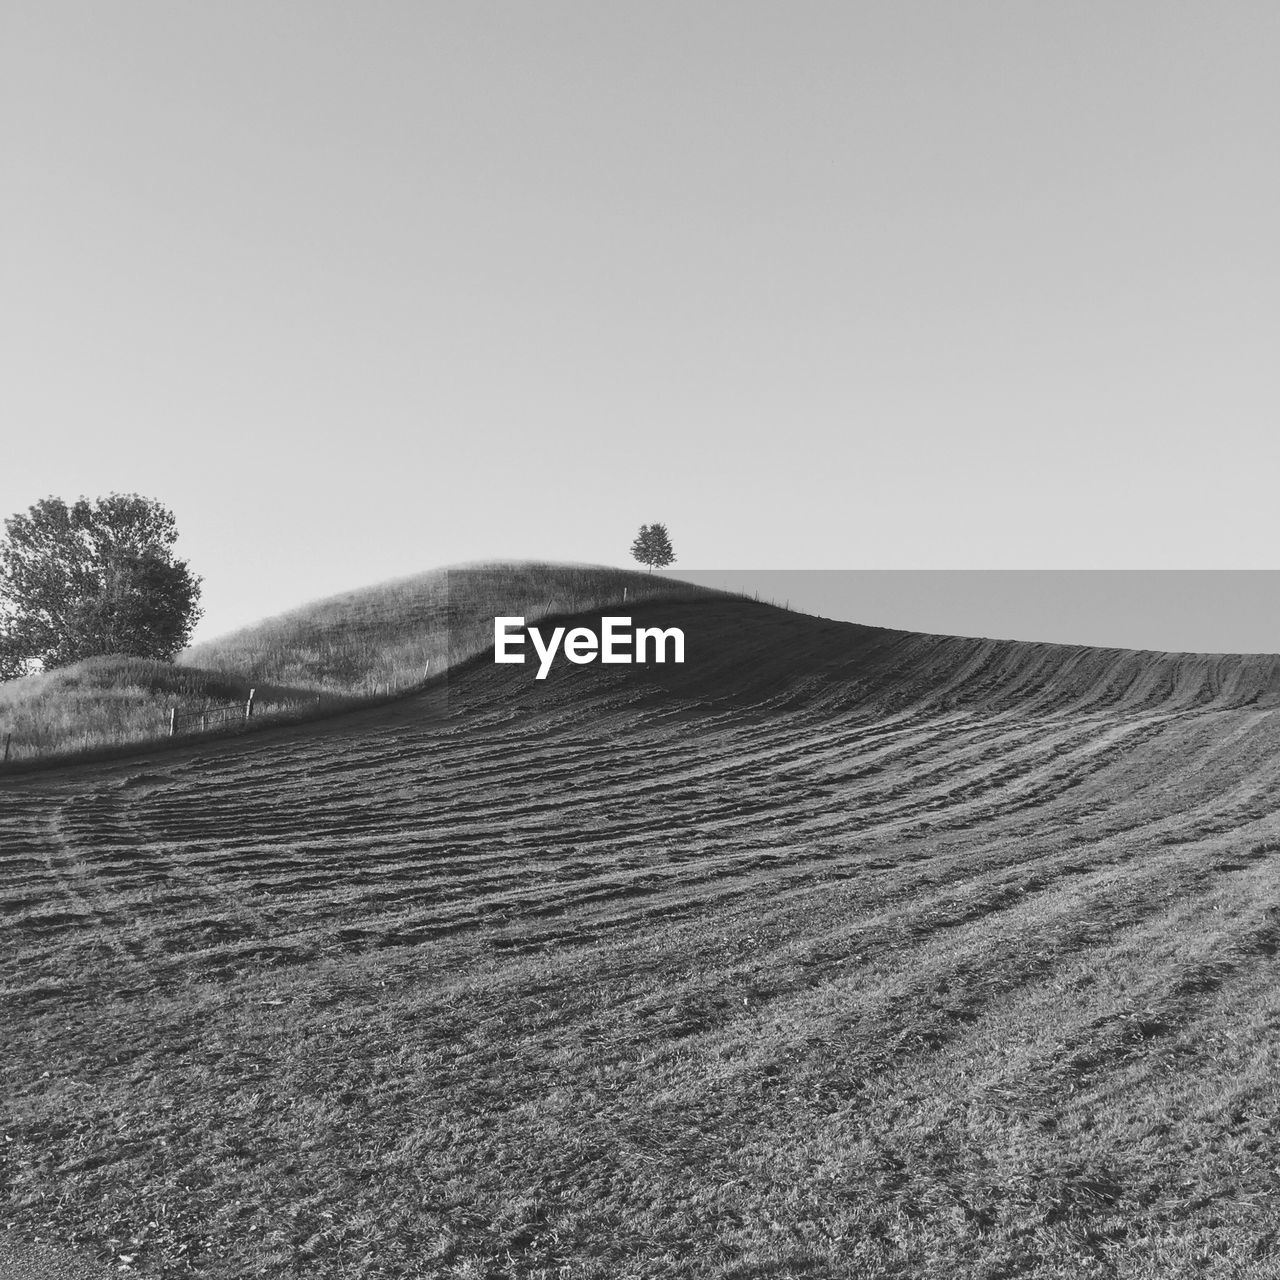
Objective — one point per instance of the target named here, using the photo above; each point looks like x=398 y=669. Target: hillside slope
x=394 y=633
x=834 y=952
x=769 y=659
x=303 y=664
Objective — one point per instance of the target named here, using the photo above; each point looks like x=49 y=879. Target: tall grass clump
x=114 y=701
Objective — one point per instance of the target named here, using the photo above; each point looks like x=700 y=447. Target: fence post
x=8 y=737
x=173 y=720
x=248 y=706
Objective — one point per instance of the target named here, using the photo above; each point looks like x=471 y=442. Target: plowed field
x=834 y=952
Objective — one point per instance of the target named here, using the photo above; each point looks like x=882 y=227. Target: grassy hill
x=313 y=660
x=834 y=952
x=397 y=633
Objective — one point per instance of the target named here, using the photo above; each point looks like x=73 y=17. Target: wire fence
x=189 y=720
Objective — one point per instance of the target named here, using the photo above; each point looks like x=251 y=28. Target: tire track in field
x=136 y=898
x=23 y=874
x=65 y=861
x=207 y=912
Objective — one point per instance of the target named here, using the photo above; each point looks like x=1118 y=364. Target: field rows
x=848 y=953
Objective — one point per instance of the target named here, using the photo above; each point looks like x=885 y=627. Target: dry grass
x=378 y=642
x=395 y=635
x=111 y=702
x=847 y=954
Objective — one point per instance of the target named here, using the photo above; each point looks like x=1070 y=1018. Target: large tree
x=652 y=546
x=92 y=578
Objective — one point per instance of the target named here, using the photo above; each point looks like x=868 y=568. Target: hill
x=308 y=662
x=396 y=634
x=111 y=702
x=834 y=951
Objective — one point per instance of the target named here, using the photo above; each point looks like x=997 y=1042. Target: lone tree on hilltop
x=93 y=578
x=652 y=547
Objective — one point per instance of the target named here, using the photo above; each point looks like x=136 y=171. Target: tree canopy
x=652 y=546
x=92 y=578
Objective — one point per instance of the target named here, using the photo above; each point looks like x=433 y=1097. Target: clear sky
x=362 y=289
